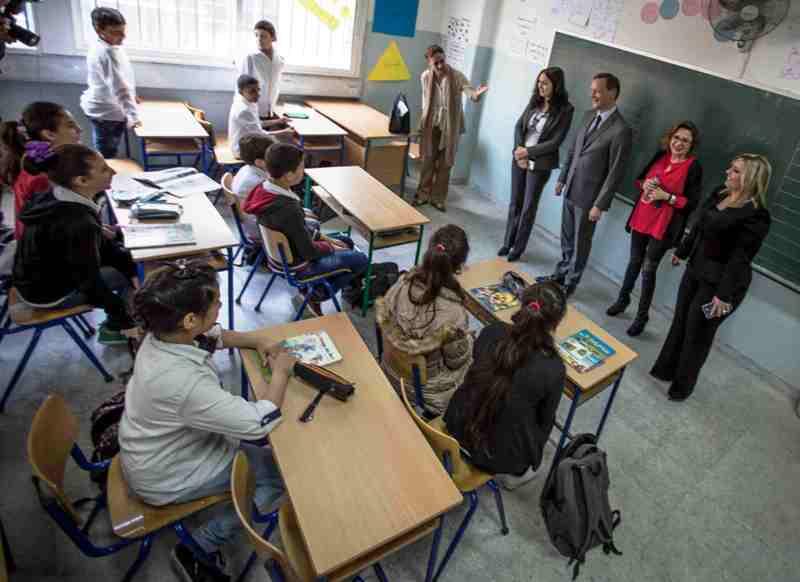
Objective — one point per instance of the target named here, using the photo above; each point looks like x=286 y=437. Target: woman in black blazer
x=537 y=136
x=727 y=233
x=669 y=187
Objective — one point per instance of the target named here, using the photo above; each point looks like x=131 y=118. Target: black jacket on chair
x=722 y=245
x=691 y=190
x=545 y=153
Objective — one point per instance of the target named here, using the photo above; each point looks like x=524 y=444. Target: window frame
x=81 y=46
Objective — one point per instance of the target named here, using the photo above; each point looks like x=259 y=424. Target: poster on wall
x=395 y=17
x=390 y=66
x=598 y=18
x=459 y=30
x=524 y=42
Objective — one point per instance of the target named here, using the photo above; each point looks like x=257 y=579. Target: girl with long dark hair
x=423 y=313
x=41 y=121
x=503 y=413
x=537 y=136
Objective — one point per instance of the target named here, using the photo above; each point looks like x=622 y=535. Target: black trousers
x=526 y=190
x=690 y=336
x=646 y=254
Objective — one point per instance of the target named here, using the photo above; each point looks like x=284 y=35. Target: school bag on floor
x=575 y=505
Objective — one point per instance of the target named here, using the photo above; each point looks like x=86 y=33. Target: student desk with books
x=580 y=387
x=366 y=125
x=169 y=129
x=361 y=477
x=211 y=232
x=378 y=214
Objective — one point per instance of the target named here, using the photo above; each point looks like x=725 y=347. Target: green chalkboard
x=732 y=118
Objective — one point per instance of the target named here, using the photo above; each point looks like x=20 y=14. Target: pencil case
x=324 y=380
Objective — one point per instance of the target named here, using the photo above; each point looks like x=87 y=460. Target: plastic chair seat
x=468 y=480
x=23 y=314
x=132 y=518
x=170 y=146
x=321 y=275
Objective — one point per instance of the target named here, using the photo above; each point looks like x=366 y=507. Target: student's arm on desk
x=280 y=361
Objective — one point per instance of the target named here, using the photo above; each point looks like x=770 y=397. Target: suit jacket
x=721 y=246
x=596 y=163
x=545 y=153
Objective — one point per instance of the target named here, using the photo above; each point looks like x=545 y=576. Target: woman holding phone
x=669 y=188
x=727 y=234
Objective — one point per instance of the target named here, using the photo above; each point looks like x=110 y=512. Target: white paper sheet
x=180 y=182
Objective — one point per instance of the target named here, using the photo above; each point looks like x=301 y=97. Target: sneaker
x=190 y=569
x=111 y=337
x=313 y=308
x=511 y=482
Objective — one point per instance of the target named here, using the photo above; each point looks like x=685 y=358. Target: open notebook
x=145 y=236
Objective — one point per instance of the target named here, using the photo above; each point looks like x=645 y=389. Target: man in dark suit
x=593 y=170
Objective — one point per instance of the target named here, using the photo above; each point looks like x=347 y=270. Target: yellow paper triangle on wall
x=391 y=66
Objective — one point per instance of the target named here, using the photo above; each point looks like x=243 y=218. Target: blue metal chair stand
x=39 y=321
x=277 y=253
x=50 y=442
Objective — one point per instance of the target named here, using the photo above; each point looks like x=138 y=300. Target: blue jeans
x=225 y=524
x=354 y=260
x=106 y=136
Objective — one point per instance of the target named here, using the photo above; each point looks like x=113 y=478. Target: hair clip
x=440 y=247
x=39 y=151
x=185 y=271
x=535 y=306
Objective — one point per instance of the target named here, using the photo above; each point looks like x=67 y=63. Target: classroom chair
x=276 y=250
x=218 y=151
x=20 y=318
x=232 y=200
x=291 y=564
x=402 y=365
x=53 y=437
x=467 y=478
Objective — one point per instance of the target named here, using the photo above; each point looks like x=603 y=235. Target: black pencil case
x=324 y=381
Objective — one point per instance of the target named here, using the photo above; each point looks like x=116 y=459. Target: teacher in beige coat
x=441 y=124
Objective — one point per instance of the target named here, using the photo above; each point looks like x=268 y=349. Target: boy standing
x=266 y=65
x=110 y=100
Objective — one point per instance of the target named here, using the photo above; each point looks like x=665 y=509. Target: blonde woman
x=727 y=234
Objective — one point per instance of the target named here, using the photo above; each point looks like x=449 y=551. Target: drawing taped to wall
x=669 y=9
x=459 y=30
x=599 y=18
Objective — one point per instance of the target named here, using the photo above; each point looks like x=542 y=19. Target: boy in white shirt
x=110 y=100
x=266 y=65
x=243 y=118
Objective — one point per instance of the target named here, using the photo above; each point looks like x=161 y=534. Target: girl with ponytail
x=66 y=257
x=42 y=121
x=504 y=412
x=423 y=313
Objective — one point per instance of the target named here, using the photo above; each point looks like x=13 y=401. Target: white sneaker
x=510 y=482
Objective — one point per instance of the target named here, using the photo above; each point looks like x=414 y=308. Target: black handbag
x=400 y=120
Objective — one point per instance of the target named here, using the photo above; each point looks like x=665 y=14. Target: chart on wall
x=595 y=18
x=525 y=40
x=459 y=31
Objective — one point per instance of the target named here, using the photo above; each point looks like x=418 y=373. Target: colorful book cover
x=495 y=297
x=584 y=351
x=313 y=348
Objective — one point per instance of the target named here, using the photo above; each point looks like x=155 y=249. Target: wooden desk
x=372 y=209
x=314 y=131
x=367 y=125
x=361 y=476
x=170 y=120
x=210 y=230
x=587 y=385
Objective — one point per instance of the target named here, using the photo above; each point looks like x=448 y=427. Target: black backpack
x=384 y=275
x=575 y=505
x=105 y=427
x=400 y=120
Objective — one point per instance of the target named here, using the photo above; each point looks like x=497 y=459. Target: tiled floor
x=708 y=488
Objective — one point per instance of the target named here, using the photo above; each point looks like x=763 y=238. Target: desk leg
x=307 y=192
x=341 y=150
x=405 y=169
x=245 y=384
x=140 y=271
x=367 y=277
x=143 y=147
x=419 y=244
x=366 y=155
x=204 y=155
x=230 y=287
x=609 y=403
x=565 y=431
